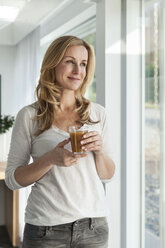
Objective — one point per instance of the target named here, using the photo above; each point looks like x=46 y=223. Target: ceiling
x=32 y=14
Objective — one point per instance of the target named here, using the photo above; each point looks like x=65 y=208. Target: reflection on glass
x=152 y=125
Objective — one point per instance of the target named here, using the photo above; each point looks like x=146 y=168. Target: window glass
x=152 y=123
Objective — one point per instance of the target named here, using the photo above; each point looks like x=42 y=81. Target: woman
x=66 y=206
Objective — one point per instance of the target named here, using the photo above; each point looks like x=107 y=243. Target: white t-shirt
x=63 y=194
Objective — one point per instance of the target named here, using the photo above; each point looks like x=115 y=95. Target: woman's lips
x=72 y=78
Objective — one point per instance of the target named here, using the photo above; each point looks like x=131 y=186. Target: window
x=153 y=66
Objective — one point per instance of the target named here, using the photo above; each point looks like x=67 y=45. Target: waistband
x=88 y=221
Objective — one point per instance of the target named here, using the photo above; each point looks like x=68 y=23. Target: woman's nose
x=76 y=68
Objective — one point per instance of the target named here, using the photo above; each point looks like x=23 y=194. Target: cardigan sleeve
x=20 y=147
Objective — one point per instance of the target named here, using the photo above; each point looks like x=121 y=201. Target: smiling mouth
x=76 y=79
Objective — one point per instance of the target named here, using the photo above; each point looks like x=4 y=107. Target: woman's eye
x=70 y=61
x=84 y=64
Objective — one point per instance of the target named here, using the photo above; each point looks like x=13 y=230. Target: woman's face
x=71 y=71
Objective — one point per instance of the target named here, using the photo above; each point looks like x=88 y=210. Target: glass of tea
x=76 y=134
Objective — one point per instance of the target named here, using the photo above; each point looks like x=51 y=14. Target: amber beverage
x=76 y=136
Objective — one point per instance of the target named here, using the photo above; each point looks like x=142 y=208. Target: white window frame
x=115 y=90
x=108 y=90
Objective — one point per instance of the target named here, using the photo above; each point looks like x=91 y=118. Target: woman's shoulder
x=97 y=112
x=97 y=109
x=28 y=111
x=31 y=108
x=26 y=118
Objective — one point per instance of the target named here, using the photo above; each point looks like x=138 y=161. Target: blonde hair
x=48 y=91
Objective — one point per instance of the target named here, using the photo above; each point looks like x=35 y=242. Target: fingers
x=77 y=156
x=91 y=137
x=74 y=159
x=71 y=159
x=91 y=141
x=65 y=157
x=71 y=162
x=63 y=143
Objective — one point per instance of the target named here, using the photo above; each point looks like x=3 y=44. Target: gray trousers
x=83 y=233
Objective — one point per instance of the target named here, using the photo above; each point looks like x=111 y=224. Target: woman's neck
x=67 y=102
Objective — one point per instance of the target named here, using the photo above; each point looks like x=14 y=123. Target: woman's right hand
x=63 y=157
x=26 y=175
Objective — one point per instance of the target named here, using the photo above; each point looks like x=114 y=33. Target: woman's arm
x=104 y=165
x=19 y=173
x=26 y=175
x=92 y=141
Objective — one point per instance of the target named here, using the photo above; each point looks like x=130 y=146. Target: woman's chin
x=73 y=88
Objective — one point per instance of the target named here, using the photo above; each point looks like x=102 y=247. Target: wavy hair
x=48 y=91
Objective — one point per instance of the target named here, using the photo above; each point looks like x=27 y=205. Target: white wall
x=19 y=68
x=7 y=57
x=8 y=94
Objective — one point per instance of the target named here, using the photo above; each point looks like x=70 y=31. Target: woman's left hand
x=92 y=141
